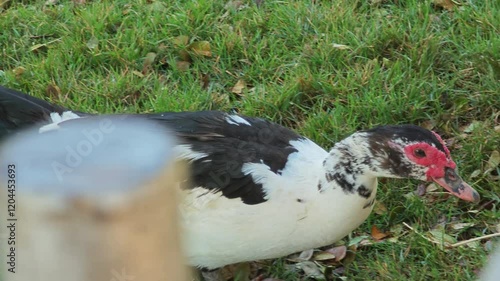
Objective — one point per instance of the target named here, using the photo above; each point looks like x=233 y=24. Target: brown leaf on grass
x=310 y=269
x=323 y=256
x=18 y=71
x=137 y=73
x=181 y=40
x=428 y=124
x=234 y=4
x=472 y=126
x=445 y=4
x=379 y=208
x=147 y=65
x=357 y=240
x=461 y=225
x=431 y=187
x=350 y=255
x=339 y=252
x=238 y=87
x=242 y=271
x=377 y=234
x=302 y=256
x=38 y=47
x=201 y=48
x=158 y=6
x=258 y=3
x=440 y=238
x=396 y=230
x=4 y=4
x=493 y=161
x=205 y=81
x=184 y=55
x=79 y=2
x=182 y=65
x=132 y=97
x=53 y=91
x=475 y=174
x=340 y=46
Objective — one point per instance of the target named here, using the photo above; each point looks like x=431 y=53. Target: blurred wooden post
x=86 y=233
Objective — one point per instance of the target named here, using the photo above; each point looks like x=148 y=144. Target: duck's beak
x=456 y=186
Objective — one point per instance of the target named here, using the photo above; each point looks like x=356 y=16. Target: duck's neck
x=352 y=166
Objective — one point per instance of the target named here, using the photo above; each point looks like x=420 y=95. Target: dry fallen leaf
x=356 y=240
x=339 y=252
x=428 y=124
x=379 y=208
x=475 y=173
x=181 y=40
x=18 y=71
x=377 y=234
x=421 y=190
x=493 y=162
x=36 y=47
x=445 y=4
x=461 y=225
x=137 y=73
x=183 y=65
x=306 y=255
x=235 y=4
x=258 y=2
x=201 y=48
x=238 y=87
x=53 y=90
x=441 y=239
x=431 y=187
x=3 y=4
x=396 y=230
x=93 y=43
x=311 y=269
x=473 y=126
x=323 y=256
x=340 y=46
x=242 y=271
x=147 y=66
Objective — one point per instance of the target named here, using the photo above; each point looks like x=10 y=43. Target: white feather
x=56 y=119
x=236 y=120
x=185 y=151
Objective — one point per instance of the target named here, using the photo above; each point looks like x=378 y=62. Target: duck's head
x=412 y=151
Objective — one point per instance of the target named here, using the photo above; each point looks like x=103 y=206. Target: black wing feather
x=18 y=110
x=229 y=147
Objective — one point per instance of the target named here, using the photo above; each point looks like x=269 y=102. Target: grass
x=403 y=62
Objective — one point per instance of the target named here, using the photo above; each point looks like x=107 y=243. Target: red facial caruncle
x=427 y=155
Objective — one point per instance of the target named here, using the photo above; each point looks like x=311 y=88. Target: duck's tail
x=19 y=110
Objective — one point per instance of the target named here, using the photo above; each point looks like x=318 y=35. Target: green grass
x=406 y=62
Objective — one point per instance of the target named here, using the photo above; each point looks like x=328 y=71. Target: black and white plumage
x=260 y=190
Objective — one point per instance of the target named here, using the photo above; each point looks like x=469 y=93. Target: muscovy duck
x=259 y=190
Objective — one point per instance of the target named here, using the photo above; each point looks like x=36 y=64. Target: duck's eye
x=419 y=153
